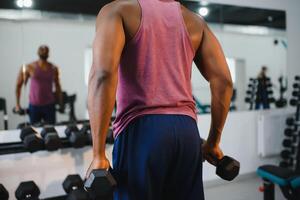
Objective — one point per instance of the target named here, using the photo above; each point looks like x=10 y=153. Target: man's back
x=155 y=66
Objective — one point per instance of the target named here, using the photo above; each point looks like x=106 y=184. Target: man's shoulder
x=119 y=6
x=192 y=16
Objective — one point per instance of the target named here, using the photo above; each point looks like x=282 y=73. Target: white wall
x=67 y=41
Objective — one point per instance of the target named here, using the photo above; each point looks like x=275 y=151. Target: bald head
x=43 y=52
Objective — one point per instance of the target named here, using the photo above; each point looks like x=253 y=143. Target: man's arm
x=211 y=62
x=22 y=78
x=107 y=49
x=57 y=84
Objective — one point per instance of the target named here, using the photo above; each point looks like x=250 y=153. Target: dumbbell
x=77 y=138
x=289 y=142
x=248 y=100
x=3 y=193
x=297 y=78
x=296 y=85
x=227 y=168
x=295 y=93
x=291 y=122
x=100 y=184
x=73 y=186
x=27 y=191
x=51 y=139
x=249 y=92
x=294 y=102
x=30 y=139
x=286 y=154
x=281 y=103
x=290 y=133
x=269 y=92
x=21 y=111
x=287 y=164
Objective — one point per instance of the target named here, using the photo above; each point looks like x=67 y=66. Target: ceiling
x=218 y=13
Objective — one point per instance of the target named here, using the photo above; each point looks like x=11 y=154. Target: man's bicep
x=109 y=40
x=210 y=58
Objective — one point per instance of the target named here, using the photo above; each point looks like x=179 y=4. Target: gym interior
x=261 y=135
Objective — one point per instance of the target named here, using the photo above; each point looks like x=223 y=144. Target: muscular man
x=43 y=75
x=142 y=57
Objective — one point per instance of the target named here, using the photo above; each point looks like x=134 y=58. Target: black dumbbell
x=288 y=132
x=249 y=100
x=27 y=191
x=21 y=111
x=270 y=92
x=73 y=186
x=280 y=103
x=294 y=102
x=249 y=92
x=100 y=184
x=287 y=164
x=77 y=138
x=3 y=193
x=51 y=138
x=227 y=168
x=30 y=139
x=292 y=122
x=286 y=154
x=297 y=78
x=289 y=142
x=296 y=94
x=296 y=85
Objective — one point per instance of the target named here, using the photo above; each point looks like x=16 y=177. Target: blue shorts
x=158 y=157
x=45 y=114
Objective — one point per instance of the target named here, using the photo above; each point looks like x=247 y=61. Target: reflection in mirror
x=250 y=37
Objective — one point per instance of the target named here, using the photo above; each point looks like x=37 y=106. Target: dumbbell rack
x=251 y=93
x=292 y=141
x=18 y=147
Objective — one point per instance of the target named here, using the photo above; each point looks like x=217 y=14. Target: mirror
x=250 y=37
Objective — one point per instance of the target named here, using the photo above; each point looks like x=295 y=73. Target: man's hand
x=17 y=108
x=211 y=153
x=102 y=163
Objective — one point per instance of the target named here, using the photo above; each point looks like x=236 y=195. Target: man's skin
x=27 y=71
x=116 y=24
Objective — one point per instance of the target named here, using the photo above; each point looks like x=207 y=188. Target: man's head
x=43 y=52
x=264 y=69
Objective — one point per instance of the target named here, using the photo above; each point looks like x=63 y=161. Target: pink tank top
x=155 y=66
x=41 y=86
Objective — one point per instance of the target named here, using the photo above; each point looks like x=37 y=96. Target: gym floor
x=240 y=190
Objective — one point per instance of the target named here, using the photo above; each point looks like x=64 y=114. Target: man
x=43 y=75
x=262 y=98
x=142 y=57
